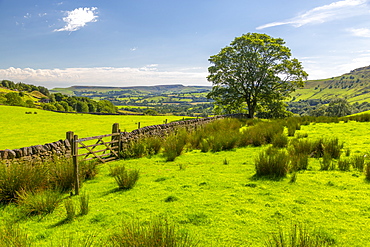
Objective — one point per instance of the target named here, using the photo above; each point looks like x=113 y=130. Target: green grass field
x=220 y=203
x=22 y=130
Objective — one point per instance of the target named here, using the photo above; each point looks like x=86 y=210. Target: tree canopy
x=254 y=70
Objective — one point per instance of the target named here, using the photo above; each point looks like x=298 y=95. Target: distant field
x=22 y=130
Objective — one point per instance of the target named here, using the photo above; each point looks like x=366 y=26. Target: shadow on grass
x=60 y=223
x=115 y=190
x=255 y=177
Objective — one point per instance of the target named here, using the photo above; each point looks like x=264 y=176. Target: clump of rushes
x=70 y=209
x=367 y=170
x=344 y=165
x=279 y=140
x=18 y=177
x=299 y=162
x=157 y=233
x=12 y=235
x=84 y=204
x=358 y=162
x=125 y=179
x=174 y=144
x=39 y=203
x=273 y=163
x=300 y=236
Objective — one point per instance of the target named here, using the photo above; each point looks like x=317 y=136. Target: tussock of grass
x=125 y=179
x=12 y=235
x=272 y=163
x=39 y=203
x=300 y=236
x=157 y=233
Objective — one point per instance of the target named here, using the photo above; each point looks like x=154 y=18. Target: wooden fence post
x=69 y=137
x=115 y=129
x=75 y=164
x=138 y=125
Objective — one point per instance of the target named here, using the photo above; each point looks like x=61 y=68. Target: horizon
x=123 y=43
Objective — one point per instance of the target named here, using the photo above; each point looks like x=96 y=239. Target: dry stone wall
x=62 y=148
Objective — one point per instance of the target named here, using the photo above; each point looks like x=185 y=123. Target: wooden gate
x=103 y=148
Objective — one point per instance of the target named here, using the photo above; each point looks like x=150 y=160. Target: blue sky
x=147 y=42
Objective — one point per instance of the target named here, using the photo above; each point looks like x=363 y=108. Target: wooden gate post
x=115 y=130
x=75 y=165
x=74 y=152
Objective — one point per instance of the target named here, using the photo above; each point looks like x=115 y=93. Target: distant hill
x=354 y=86
x=160 y=99
x=134 y=91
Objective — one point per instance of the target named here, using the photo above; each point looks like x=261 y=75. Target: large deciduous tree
x=255 y=69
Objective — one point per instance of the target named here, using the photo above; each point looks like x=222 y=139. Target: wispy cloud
x=360 y=32
x=78 y=18
x=105 y=76
x=336 y=10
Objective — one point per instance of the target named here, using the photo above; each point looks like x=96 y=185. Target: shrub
x=274 y=164
x=125 y=179
x=300 y=236
x=17 y=176
x=157 y=233
x=39 y=203
x=280 y=140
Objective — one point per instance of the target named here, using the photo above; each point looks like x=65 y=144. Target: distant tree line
x=52 y=102
x=24 y=87
x=61 y=102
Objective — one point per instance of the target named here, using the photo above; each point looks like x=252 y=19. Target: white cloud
x=105 y=76
x=336 y=10
x=360 y=32
x=78 y=18
x=322 y=67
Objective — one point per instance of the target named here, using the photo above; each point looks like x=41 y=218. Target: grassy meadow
x=22 y=130
x=216 y=197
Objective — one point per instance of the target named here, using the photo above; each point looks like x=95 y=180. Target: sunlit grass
x=22 y=130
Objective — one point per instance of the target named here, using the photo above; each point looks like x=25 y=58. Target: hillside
x=354 y=86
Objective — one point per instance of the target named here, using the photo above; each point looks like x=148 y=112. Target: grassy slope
x=354 y=86
x=221 y=204
x=22 y=130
